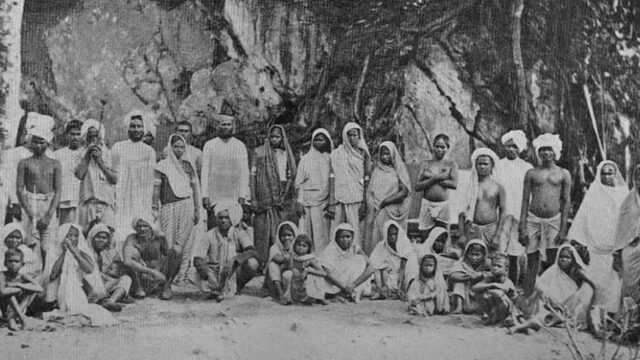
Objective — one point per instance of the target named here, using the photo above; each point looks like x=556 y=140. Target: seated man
x=148 y=258
x=226 y=251
x=17 y=290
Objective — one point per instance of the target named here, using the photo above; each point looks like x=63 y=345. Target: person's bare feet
x=112 y=306
x=167 y=294
x=140 y=294
x=13 y=325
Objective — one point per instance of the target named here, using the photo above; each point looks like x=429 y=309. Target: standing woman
x=312 y=184
x=176 y=191
x=387 y=195
x=271 y=182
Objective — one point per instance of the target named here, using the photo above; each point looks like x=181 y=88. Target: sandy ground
x=250 y=327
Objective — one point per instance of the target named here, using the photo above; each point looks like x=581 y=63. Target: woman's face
x=354 y=137
x=13 y=240
x=178 y=148
x=101 y=241
x=344 y=239
x=275 y=137
x=320 y=142
x=385 y=156
x=73 y=235
x=565 y=259
x=286 y=237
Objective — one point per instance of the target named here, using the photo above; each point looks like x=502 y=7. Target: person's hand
x=560 y=239
x=196 y=216
x=241 y=201
x=348 y=289
x=477 y=275
x=330 y=212
x=158 y=275
x=155 y=211
x=523 y=238
x=43 y=223
x=67 y=244
x=362 y=212
x=617 y=261
x=206 y=203
x=300 y=209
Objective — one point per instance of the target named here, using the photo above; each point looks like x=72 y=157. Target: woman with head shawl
x=349 y=179
x=109 y=262
x=312 y=184
x=465 y=273
x=278 y=276
x=347 y=269
x=438 y=244
x=73 y=265
x=595 y=227
x=427 y=295
x=150 y=260
x=387 y=195
x=12 y=236
x=272 y=172
x=389 y=260
x=627 y=251
x=176 y=191
x=225 y=254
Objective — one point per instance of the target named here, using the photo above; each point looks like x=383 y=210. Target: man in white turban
x=39 y=184
x=484 y=212
x=510 y=172
x=134 y=162
x=546 y=202
x=225 y=253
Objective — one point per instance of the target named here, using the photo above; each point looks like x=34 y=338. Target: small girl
x=276 y=282
x=303 y=262
x=13 y=237
x=428 y=293
x=465 y=273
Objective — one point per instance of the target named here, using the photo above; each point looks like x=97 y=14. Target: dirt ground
x=251 y=327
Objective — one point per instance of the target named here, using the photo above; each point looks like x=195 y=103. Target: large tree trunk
x=522 y=103
x=10 y=27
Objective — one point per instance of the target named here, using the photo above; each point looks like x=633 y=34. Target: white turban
x=91 y=123
x=549 y=140
x=518 y=137
x=135 y=113
x=484 y=151
x=149 y=125
x=233 y=208
x=40 y=125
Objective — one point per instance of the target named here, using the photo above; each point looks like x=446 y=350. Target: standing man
x=39 y=183
x=225 y=168
x=192 y=153
x=69 y=158
x=510 y=172
x=546 y=201
x=134 y=162
x=438 y=176
x=97 y=179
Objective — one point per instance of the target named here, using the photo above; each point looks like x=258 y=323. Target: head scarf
x=628 y=223
x=473 y=187
x=595 y=222
x=146 y=218
x=136 y=113
x=97 y=229
x=219 y=118
x=397 y=164
x=172 y=168
x=435 y=233
x=333 y=251
x=91 y=123
x=518 y=137
x=379 y=187
x=316 y=132
x=462 y=265
x=233 y=208
x=549 y=140
x=557 y=284
x=8 y=229
x=362 y=145
x=40 y=125
x=403 y=245
x=278 y=244
x=268 y=188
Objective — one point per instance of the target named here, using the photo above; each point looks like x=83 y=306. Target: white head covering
x=40 y=125
x=345 y=139
x=91 y=123
x=323 y=132
x=472 y=191
x=8 y=229
x=518 y=137
x=150 y=125
x=233 y=208
x=170 y=166
x=549 y=140
x=557 y=284
x=136 y=113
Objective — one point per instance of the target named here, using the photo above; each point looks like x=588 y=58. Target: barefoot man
x=485 y=210
x=39 y=183
x=546 y=201
x=438 y=176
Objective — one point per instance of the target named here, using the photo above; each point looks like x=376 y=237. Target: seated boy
x=496 y=294
x=17 y=290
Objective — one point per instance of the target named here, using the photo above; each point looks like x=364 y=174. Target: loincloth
x=432 y=211
x=542 y=234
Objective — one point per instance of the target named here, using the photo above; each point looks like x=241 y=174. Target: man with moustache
x=69 y=158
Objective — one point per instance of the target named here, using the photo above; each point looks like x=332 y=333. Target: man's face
x=440 y=149
x=224 y=222
x=484 y=165
x=511 y=150
x=546 y=154
x=13 y=263
x=608 y=176
x=345 y=238
x=354 y=137
x=73 y=137
x=136 y=129
x=38 y=145
x=101 y=241
x=225 y=128
x=143 y=228
x=185 y=132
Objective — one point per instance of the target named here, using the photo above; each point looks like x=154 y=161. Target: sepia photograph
x=320 y=179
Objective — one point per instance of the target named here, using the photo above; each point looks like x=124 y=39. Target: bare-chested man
x=546 y=201
x=485 y=212
x=39 y=183
x=438 y=176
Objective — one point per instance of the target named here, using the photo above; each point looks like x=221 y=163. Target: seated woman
x=225 y=253
x=427 y=295
x=389 y=259
x=73 y=275
x=149 y=260
x=564 y=291
x=465 y=273
x=116 y=283
x=12 y=236
x=348 y=271
x=277 y=279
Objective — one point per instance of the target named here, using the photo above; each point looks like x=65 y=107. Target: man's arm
x=7 y=291
x=111 y=175
x=565 y=204
x=130 y=252
x=204 y=177
x=81 y=169
x=243 y=161
x=252 y=180
x=526 y=194
x=452 y=181
x=155 y=198
x=29 y=284
x=396 y=197
x=502 y=206
x=20 y=187
x=57 y=190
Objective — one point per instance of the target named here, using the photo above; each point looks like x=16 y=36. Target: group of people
x=90 y=228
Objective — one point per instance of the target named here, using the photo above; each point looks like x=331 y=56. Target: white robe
x=70 y=191
x=225 y=170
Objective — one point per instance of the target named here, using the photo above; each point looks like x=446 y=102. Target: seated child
x=389 y=259
x=112 y=278
x=13 y=238
x=303 y=262
x=428 y=293
x=496 y=294
x=438 y=243
x=17 y=290
x=275 y=283
x=465 y=273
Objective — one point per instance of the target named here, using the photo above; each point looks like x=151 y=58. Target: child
x=437 y=243
x=496 y=294
x=302 y=263
x=465 y=273
x=13 y=237
x=428 y=293
x=389 y=259
x=17 y=290
x=276 y=284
